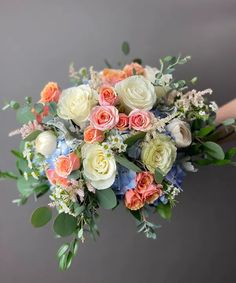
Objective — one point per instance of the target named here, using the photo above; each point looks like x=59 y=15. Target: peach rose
x=140 y=120
x=123 y=123
x=39 y=117
x=144 y=180
x=129 y=69
x=92 y=135
x=50 y=93
x=104 y=117
x=55 y=179
x=107 y=96
x=152 y=193
x=112 y=76
x=133 y=200
x=66 y=164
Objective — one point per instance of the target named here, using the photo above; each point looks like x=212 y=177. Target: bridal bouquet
x=124 y=135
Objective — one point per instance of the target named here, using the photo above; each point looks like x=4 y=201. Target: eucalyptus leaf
x=41 y=216
x=62 y=250
x=127 y=164
x=7 y=175
x=158 y=176
x=38 y=107
x=132 y=140
x=164 y=210
x=214 y=150
x=229 y=122
x=230 y=153
x=64 y=224
x=25 y=186
x=32 y=136
x=125 y=47
x=106 y=198
x=24 y=115
x=205 y=131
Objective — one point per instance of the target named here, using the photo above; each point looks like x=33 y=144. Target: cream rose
x=99 y=169
x=46 y=143
x=75 y=103
x=181 y=133
x=159 y=152
x=136 y=92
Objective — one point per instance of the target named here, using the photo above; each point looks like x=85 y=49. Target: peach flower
x=66 y=164
x=144 y=180
x=39 y=117
x=104 y=117
x=140 y=120
x=112 y=76
x=92 y=135
x=107 y=96
x=133 y=200
x=50 y=93
x=152 y=193
x=55 y=179
x=129 y=69
x=123 y=123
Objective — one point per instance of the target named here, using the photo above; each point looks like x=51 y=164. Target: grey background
x=38 y=39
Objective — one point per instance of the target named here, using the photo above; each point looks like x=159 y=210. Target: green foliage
x=107 y=64
x=214 y=150
x=41 y=216
x=25 y=187
x=106 y=198
x=125 y=48
x=148 y=229
x=136 y=214
x=12 y=104
x=158 y=176
x=33 y=135
x=7 y=175
x=64 y=224
x=24 y=115
x=164 y=210
x=52 y=108
x=203 y=132
x=38 y=107
x=229 y=122
x=137 y=60
x=230 y=153
x=126 y=163
x=133 y=139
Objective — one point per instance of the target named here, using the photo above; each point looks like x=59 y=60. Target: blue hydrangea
x=62 y=149
x=125 y=180
x=176 y=175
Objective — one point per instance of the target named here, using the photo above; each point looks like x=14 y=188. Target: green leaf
x=229 y=122
x=24 y=115
x=64 y=224
x=62 y=262
x=107 y=64
x=62 y=250
x=14 y=105
x=132 y=140
x=75 y=246
x=194 y=80
x=125 y=47
x=214 y=150
x=69 y=260
x=17 y=154
x=164 y=210
x=136 y=214
x=75 y=175
x=33 y=135
x=230 y=153
x=78 y=209
x=7 y=175
x=169 y=58
x=158 y=176
x=22 y=166
x=106 y=198
x=127 y=164
x=25 y=186
x=41 y=216
x=205 y=131
x=41 y=189
x=53 y=108
x=38 y=107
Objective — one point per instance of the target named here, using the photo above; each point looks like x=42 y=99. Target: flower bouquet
x=124 y=135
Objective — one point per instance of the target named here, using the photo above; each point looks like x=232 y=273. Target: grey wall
x=38 y=39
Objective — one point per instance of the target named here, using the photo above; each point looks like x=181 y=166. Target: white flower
x=180 y=131
x=165 y=79
x=150 y=73
x=213 y=106
x=187 y=165
x=136 y=92
x=99 y=169
x=75 y=103
x=46 y=143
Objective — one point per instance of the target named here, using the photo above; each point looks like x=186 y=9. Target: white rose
x=136 y=92
x=99 y=169
x=46 y=143
x=181 y=133
x=75 y=103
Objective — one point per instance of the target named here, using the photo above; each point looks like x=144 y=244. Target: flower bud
x=46 y=143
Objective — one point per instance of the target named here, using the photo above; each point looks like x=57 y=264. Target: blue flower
x=62 y=149
x=176 y=175
x=125 y=180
